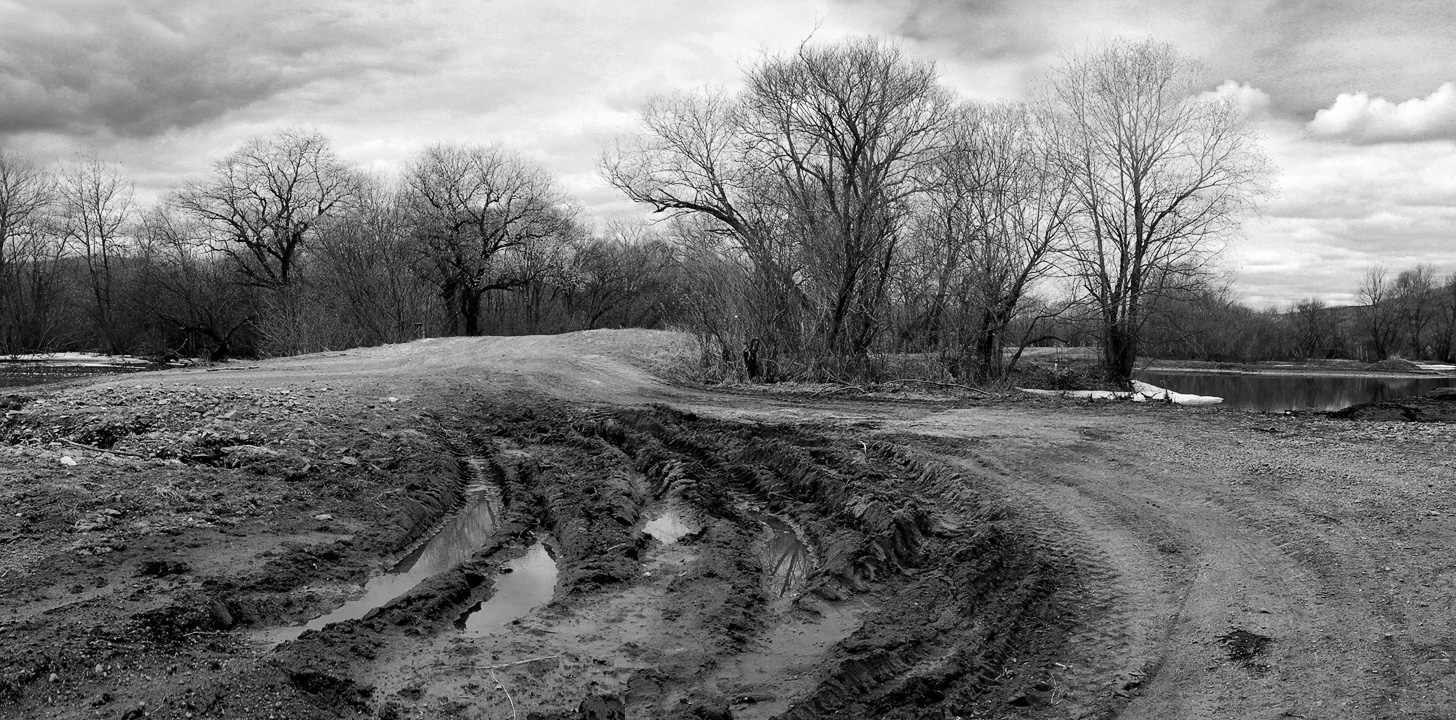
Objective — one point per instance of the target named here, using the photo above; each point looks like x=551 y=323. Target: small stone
x=323 y=516
x=68 y=461
x=348 y=460
x=55 y=677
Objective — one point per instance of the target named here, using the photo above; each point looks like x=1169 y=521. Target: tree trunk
x=470 y=310
x=1119 y=353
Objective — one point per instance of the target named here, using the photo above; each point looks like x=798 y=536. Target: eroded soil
x=170 y=541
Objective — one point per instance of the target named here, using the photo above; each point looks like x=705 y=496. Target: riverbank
x=1337 y=368
x=847 y=558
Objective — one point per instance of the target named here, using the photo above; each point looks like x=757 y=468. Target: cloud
x=1359 y=118
x=135 y=69
x=1342 y=208
x=1253 y=101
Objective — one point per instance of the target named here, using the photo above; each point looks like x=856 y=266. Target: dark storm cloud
x=143 y=67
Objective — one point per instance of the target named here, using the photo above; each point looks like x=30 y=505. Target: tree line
x=1409 y=314
x=839 y=215
x=844 y=205
x=282 y=248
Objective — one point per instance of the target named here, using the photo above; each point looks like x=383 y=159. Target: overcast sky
x=1356 y=100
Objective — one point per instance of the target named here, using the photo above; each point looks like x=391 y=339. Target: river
x=1276 y=393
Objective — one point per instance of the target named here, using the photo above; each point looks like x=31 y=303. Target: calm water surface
x=21 y=376
x=1292 y=392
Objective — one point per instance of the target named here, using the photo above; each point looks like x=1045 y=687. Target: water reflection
x=457 y=540
x=530 y=583
x=786 y=557
x=672 y=525
x=1277 y=393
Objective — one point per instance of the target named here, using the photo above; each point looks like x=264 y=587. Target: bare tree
x=623 y=280
x=1314 y=327
x=195 y=289
x=844 y=129
x=95 y=210
x=29 y=253
x=997 y=210
x=265 y=200
x=693 y=160
x=1446 y=320
x=1413 y=293
x=1158 y=172
x=1379 y=312
x=364 y=264
x=809 y=172
x=476 y=212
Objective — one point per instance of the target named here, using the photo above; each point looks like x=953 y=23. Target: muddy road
x=544 y=528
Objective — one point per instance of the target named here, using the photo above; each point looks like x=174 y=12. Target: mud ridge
x=969 y=591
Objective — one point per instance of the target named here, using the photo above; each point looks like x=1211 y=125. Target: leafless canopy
x=265 y=200
x=95 y=210
x=479 y=213
x=808 y=170
x=1158 y=172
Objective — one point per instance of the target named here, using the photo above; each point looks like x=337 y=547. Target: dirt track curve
x=553 y=531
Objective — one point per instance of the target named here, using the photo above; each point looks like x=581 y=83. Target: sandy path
x=1326 y=537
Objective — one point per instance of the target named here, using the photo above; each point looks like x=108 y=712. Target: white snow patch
x=76 y=359
x=1141 y=392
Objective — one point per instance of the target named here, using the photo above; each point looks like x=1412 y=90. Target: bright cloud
x=1255 y=102
x=1359 y=118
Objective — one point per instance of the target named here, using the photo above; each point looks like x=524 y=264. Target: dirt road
x=545 y=528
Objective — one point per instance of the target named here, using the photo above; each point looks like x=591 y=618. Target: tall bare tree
x=808 y=171
x=95 y=210
x=844 y=129
x=1159 y=172
x=1414 y=295
x=265 y=201
x=477 y=212
x=995 y=210
x=692 y=160
x=29 y=252
x=1446 y=320
x=195 y=289
x=364 y=264
x=1315 y=328
x=1379 y=312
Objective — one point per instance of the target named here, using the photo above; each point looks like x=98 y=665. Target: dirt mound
x=1396 y=365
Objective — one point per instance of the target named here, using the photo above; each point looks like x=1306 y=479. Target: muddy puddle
x=455 y=542
x=783 y=666
x=786 y=558
x=524 y=584
x=673 y=524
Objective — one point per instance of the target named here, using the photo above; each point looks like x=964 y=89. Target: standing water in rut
x=456 y=541
x=530 y=583
x=786 y=558
x=672 y=525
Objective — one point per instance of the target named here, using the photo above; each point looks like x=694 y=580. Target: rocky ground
x=165 y=535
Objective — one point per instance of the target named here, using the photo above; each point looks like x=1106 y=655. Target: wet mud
x=698 y=568
x=566 y=561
